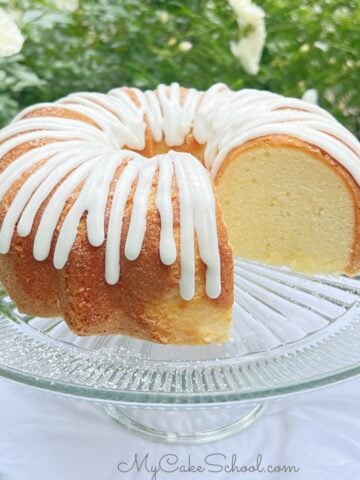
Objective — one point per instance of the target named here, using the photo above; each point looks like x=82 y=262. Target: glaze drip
x=81 y=158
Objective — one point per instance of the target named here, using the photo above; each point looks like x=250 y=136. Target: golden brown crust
x=80 y=294
x=59 y=111
x=145 y=303
x=143 y=283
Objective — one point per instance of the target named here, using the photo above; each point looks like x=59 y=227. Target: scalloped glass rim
x=154 y=400
x=292 y=333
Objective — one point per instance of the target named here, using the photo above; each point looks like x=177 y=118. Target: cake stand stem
x=186 y=426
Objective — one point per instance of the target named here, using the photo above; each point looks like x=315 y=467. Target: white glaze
x=187 y=250
x=83 y=160
x=164 y=206
x=197 y=213
x=137 y=226
x=204 y=214
x=121 y=194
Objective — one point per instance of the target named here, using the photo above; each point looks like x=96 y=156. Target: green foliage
x=105 y=44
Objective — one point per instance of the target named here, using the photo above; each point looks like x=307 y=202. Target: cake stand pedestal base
x=184 y=425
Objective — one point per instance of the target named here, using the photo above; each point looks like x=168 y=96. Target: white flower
x=304 y=48
x=321 y=46
x=11 y=38
x=249 y=48
x=163 y=17
x=185 y=46
x=311 y=96
x=66 y=5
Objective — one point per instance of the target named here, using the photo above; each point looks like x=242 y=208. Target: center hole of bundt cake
x=189 y=146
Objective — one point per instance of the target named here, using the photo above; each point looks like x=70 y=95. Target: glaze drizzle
x=83 y=157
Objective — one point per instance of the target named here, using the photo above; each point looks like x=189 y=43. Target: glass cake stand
x=292 y=333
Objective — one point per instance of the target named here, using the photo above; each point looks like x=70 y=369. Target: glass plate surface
x=291 y=333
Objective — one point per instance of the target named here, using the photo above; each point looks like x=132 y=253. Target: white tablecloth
x=45 y=437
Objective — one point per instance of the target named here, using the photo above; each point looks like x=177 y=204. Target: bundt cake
x=122 y=212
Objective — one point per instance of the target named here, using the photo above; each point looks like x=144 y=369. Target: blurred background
x=52 y=48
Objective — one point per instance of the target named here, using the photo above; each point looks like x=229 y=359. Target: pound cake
x=122 y=212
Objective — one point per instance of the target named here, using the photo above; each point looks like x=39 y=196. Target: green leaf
x=105 y=44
